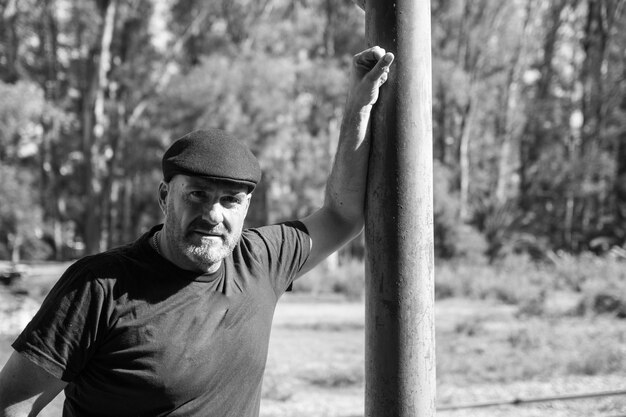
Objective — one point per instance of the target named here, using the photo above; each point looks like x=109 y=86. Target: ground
x=486 y=352
x=315 y=367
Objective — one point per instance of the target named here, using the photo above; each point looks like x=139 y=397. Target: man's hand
x=369 y=71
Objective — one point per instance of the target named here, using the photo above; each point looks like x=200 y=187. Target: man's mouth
x=205 y=233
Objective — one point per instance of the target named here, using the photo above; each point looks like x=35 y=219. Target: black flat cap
x=212 y=153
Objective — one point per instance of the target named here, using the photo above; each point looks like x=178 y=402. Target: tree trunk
x=620 y=188
x=9 y=26
x=95 y=126
x=59 y=239
x=540 y=110
x=329 y=29
x=594 y=45
x=595 y=42
x=440 y=142
x=508 y=122
x=113 y=237
x=50 y=193
x=15 y=241
x=464 y=160
x=128 y=232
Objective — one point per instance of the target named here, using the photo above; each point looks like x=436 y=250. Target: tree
x=20 y=215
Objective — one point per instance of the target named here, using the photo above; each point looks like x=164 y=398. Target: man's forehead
x=212 y=183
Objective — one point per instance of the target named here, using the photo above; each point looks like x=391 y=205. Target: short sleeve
x=284 y=249
x=62 y=335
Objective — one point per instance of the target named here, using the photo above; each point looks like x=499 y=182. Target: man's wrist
x=356 y=112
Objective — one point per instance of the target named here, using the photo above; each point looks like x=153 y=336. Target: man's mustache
x=206 y=227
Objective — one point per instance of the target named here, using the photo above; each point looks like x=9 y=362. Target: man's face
x=203 y=219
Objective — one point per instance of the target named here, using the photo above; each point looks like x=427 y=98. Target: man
x=178 y=322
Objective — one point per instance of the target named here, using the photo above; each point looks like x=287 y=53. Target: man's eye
x=197 y=194
x=230 y=200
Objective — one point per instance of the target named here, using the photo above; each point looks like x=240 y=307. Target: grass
x=565 y=285
x=346 y=280
x=515 y=331
x=485 y=352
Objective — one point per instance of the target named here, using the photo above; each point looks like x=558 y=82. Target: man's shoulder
x=278 y=229
x=108 y=264
x=259 y=241
x=278 y=250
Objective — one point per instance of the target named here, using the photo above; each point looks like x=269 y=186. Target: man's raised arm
x=341 y=217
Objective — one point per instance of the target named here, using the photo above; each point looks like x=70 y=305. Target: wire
x=518 y=401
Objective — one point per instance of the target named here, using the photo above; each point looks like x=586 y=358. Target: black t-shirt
x=134 y=335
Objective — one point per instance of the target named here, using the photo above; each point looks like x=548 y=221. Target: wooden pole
x=400 y=334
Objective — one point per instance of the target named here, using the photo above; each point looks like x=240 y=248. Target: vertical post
x=400 y=334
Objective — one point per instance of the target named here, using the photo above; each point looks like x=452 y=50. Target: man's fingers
x=373 y=62
x=370 y=70
x=381 y=69
x=367 y=59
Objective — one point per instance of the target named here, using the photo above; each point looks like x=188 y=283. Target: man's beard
x=207 y=252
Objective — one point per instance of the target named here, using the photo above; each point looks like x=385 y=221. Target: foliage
x=515 y=281
x=604 y=298
x=336 y=378
x=585 y=285
x=20 y=217
x=20 y=110
x=347 y=280
x=598 y=359
x=445 y=212
x=528 y=112
x=602 y=283
x=574 y=272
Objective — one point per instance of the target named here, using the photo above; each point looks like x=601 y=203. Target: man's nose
x=214 y=213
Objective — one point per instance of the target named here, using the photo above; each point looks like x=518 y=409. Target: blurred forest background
x=529 y=116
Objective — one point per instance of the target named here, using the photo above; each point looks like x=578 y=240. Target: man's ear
x=248 y=199
x=163 y=190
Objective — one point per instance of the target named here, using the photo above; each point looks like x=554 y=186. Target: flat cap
x=212 y=153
